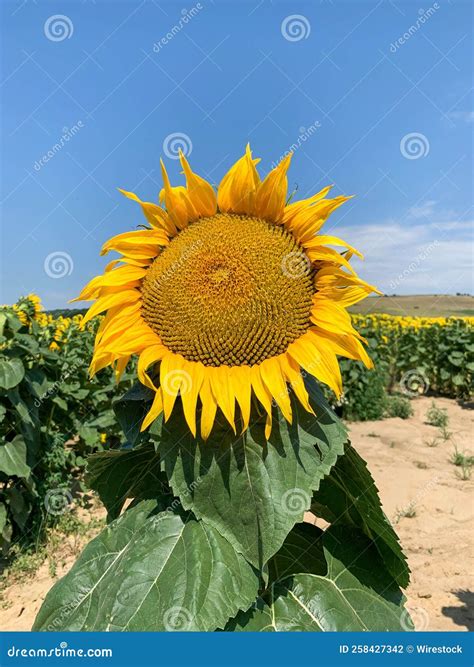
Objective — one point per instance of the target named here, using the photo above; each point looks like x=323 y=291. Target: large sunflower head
x=228 y=296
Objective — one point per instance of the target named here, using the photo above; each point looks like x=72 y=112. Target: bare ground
x=422 y=493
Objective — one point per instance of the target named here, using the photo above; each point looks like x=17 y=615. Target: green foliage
x=398 y=406
x=365 y=396
x=213 y=532
x=352 y=591
x=151 y=570
x=437 y=416
x=51 y=416
x=440 y=350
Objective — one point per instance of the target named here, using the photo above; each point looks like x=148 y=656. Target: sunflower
x=29 y=308
x=228 y=296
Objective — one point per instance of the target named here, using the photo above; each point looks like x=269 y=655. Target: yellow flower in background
x=103 y=438
x=29 y=308
x=232 y=293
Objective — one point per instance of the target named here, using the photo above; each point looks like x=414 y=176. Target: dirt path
x=421 y=492
x=438 y=539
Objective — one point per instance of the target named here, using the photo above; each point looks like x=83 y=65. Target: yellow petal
x=240 y=383
x=272 y=376
x=330 y=316
x=155 y=410
x=310 y=357
x=345 y=346
x=260 y=389
x=306 y=221
x=109 y=301
x=238 y=189
x=321 y=239
x=196 y=372
x=155 y=215
x=200 y=192
x=291 y=371
x=120 y=366
x=172 y=378
x=271 y=195
x=150 y=355
x=295 y=208
x=178 y=204
x=142 y=242
x=208 y=410
x=323 y=254
x=268 y=426
x=225 y=399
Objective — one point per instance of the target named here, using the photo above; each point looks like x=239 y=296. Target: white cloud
x=416 y=258
x=464 y=116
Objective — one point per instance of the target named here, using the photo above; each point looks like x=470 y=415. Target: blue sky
x=376 y=97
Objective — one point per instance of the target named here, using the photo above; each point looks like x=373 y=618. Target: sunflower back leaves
x=213 y=538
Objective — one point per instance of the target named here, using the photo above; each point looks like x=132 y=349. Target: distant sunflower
x=227 y=295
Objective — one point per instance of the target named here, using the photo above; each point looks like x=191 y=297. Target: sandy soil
x=421 y=492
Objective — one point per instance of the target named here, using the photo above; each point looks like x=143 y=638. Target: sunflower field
x=53 y=414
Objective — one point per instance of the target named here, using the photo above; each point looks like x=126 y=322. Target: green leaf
x=28 y=422
x=3 y=517
x=356 y=594
x=89 y=435
x=348 y=496
x=13 y=458
x=251 y=490
x=38 y=382
x=61 y=403
x=151 y=571
x=130 y=411
x=12 y=373
x=301 y=552
x=118 y=475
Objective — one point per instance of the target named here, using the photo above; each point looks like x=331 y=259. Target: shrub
x=398 y=406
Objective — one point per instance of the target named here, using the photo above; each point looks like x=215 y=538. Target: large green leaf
x=118 y=475
x=130 y=411
x=151 y=570
x=300 y=552
x=12 y=373
x=356 y=594
x=349 y=496
x=13 y=458
x=251 y=490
